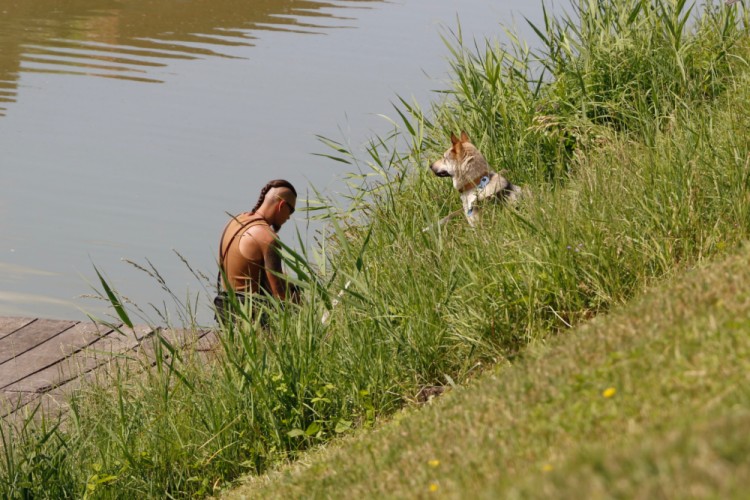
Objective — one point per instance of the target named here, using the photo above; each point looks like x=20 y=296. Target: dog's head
x=462 y=161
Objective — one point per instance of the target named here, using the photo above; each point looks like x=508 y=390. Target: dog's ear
x=457 y=148
x=465 y=136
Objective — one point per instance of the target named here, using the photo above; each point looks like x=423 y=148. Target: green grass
x=629 y=128
x=678 y=360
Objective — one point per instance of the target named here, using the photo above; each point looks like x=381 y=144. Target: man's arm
x=273 y=269
x=263 y=245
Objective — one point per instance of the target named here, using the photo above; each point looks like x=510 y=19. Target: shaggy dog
x=472 y=177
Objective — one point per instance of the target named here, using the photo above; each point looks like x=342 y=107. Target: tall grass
x=628 y=126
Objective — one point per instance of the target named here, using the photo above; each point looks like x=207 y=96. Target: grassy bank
x=651 y=401
x=629 y=128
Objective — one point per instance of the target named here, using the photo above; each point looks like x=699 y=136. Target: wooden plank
x=53 y=405
x=33 y=405
x=208 y=347
x=208 y=342
x=10 y=325
x=12 y=401
x=90 y=358
x=139 y=357
x=178 y=339
x=30 y=336
x=60 y=394
x=128 y=362
x=51 y=352
x=82 y=354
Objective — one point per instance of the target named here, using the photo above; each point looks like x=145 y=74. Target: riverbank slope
x=629 y=128
x=651 y=400
x=631 y=163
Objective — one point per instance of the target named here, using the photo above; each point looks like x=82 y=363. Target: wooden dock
x=44 y=360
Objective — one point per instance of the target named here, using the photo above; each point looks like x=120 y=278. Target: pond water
x=129 y=128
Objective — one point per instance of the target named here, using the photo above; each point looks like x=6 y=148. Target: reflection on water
x=13 y=272
x=9 y=300
x=135 y=39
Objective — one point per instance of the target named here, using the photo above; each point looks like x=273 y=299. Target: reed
x=627 y=128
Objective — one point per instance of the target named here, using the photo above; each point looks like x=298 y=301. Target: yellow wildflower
x=433 y=463
x=609 y=392
x=433 y=487
x=547 y=467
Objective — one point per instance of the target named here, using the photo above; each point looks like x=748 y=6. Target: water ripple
x=137 y=40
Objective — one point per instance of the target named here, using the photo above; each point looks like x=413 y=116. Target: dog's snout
x=438 y=170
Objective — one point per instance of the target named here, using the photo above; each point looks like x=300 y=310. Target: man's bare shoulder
x=261 y=233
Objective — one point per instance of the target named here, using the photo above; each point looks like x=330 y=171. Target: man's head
x=277 y=202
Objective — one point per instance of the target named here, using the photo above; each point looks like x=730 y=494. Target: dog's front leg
x=470 y=209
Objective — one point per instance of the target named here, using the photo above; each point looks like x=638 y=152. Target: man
x=249 y=251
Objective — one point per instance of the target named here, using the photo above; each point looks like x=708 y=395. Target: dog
x=473 y=178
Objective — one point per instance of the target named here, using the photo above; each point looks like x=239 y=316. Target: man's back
x=241 y=259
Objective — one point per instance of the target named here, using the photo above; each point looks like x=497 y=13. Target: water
x=129 y=129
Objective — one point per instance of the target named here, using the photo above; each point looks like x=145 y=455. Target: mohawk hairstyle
x=276 y=183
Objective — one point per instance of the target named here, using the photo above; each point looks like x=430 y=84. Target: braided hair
x=277 y=183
